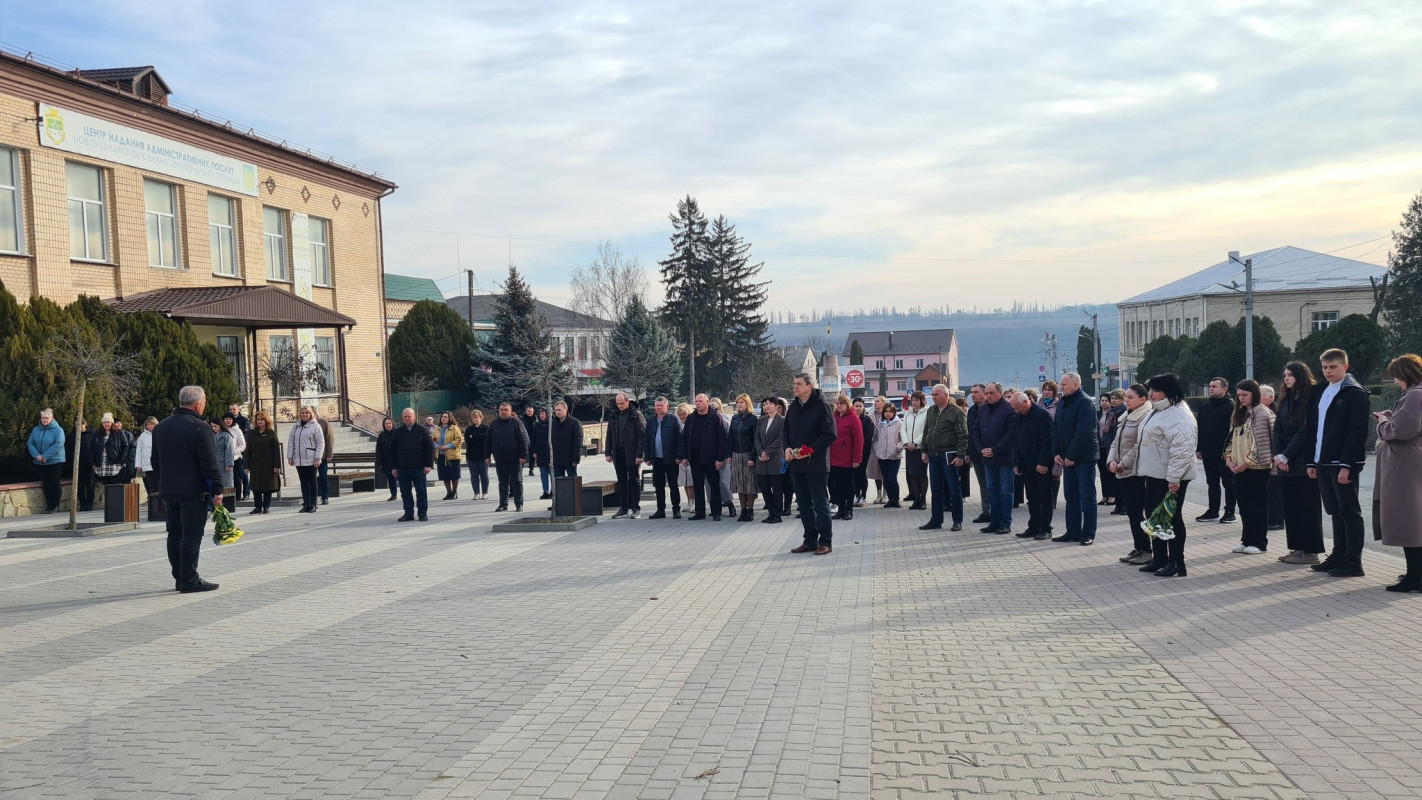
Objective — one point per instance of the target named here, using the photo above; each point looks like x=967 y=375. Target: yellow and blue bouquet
x=224 y=528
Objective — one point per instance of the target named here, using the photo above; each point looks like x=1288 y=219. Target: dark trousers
x=1108 y=478
x=1217 y=475
x=241 y=483
x=664 y=474
x=49 y=475
x=770 y=490
x=412 y=491
x=510 y=477
x=889 y=469
x=1079 y=485
x=1414 y=561
x=186 y=520
x=999 y=489
x=787 y=491
x=1133 y=493
x=1155 y=490
x=629 y=481
x=861 y=478
x=947 y=489
x=150 y=482
x=980 y=472
x=1251 y=489
x=965 y=480
x=264 y=499
x=1341 y=503
x=812 y=497
x=841 y=487
x=708 y=487
x=1303 y=513
x=1037 y=489
x=569 y=471
x=322 y=486
x=307 y=475
x=478 y=476
x=1276 y=501
x=1019 y=490
x=85 y=490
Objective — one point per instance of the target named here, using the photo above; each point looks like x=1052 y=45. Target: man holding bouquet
x=809 y=431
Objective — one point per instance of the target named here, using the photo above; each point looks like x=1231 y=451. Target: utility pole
x=1248 y=312
x=1049 y=351
x=470 y=273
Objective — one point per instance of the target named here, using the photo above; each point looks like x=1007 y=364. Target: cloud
x=941 y=146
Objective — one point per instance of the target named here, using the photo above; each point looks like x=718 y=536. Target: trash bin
x=592 y=500
x=568 y=496
x=333 y=484
x=121 y=502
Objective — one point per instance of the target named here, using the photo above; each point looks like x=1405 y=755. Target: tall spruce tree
x=642 y=358
x=689 y=308
x=1404 y=294
x=740 y=298
x=1086 y=359
x=522 y=364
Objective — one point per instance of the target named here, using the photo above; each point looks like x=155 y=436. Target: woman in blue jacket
x=46 y=446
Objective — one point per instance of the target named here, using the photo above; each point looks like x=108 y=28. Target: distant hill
x=1001 y=345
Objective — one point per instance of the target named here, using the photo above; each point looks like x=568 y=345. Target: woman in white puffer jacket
x=1167 y=463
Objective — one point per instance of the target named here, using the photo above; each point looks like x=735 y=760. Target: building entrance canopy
x=252 y=307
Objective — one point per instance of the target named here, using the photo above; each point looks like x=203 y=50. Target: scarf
x=1138 y=414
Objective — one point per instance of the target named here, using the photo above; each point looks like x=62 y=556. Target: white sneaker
x=1251 y=550
x=1241 y=549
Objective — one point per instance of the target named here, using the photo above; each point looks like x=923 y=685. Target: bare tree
x=291 y=369
x=605 y=286
x=765 y=372
x=416 y=386
x=85 y=364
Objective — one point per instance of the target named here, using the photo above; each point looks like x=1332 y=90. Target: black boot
x=849 y=512
x=730 y=507
x=1174 y=569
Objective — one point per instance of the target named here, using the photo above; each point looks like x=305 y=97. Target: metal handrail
x=361 y=408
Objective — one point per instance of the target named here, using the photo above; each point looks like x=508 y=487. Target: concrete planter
x=61 y=530
x=545 y=524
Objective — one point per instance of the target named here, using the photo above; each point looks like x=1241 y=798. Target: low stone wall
x=26 y=499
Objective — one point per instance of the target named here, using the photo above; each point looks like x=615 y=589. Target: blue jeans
x=543 y=472
x=414 y=479
x=1079 y=486
x=946 y=489
x=1001 y=483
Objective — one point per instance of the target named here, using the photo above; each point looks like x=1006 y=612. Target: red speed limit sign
x=854 y=377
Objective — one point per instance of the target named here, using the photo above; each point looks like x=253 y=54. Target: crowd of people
x=1281 y=459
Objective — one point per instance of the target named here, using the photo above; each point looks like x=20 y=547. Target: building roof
x=238 y=306
x=938 y=340
x=797 y=355
x=1283 y=269
x=558 y=317
x=406 y=287
x=124 y=75
x=932 y=371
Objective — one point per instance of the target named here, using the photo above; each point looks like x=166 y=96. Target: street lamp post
x=1248 y=312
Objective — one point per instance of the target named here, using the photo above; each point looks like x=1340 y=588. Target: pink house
x=901 y=355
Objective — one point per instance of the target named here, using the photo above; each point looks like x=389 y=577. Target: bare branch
x=605 y=286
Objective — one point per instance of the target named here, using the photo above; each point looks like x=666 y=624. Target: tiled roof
x=406 y=287
x=558 y=317
x=939 y=340
x=245 y=306
x=1283 y=269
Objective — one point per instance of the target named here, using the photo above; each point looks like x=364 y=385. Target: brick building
x=900 y=356
x=106 y=189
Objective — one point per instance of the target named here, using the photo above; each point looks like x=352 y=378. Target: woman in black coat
x=385 y=455
x=476 y=452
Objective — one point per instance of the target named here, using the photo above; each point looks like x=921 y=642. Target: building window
x=160 y=212
x=320 y=251
x=568 y=347
x=582 y=348
x=597 y=348
x=903 y=385
x=879 y=363
x=274 y=243
x=898 y=363
x=222 y=233
x=1323 y=320
x=918 y=364
x=325 y=355
x=88 y=228
x=12 y=223
x=231 y=347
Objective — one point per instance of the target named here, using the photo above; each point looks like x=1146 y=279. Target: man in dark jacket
x=540 y=449
x=1211 y=439
x=413 y=459
x=190 y=482
x=1334 y=442
x=977 y=396
x=624 y=448
x=704 y=448
x=529 y=419
x=809 y=432
x=663 y=444
x=1075 y=448
x=508 y=449
x=567 y=441
x=997 y=440
x=1034 y=464
x=944 y=445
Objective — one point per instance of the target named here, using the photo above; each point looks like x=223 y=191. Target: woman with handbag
x=1250 y=456
x=1398 y=502
x=1167 y=465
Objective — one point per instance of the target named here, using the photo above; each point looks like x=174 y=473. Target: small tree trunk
x=552 y=474
x=74 y=468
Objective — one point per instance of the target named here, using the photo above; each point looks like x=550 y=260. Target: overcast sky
x=873 y=153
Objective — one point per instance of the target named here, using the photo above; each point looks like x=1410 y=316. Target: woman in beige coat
x=1399 y=471
x=1130 y=487
x=1250 y=456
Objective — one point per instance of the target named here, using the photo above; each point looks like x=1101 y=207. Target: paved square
x=349 y=656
